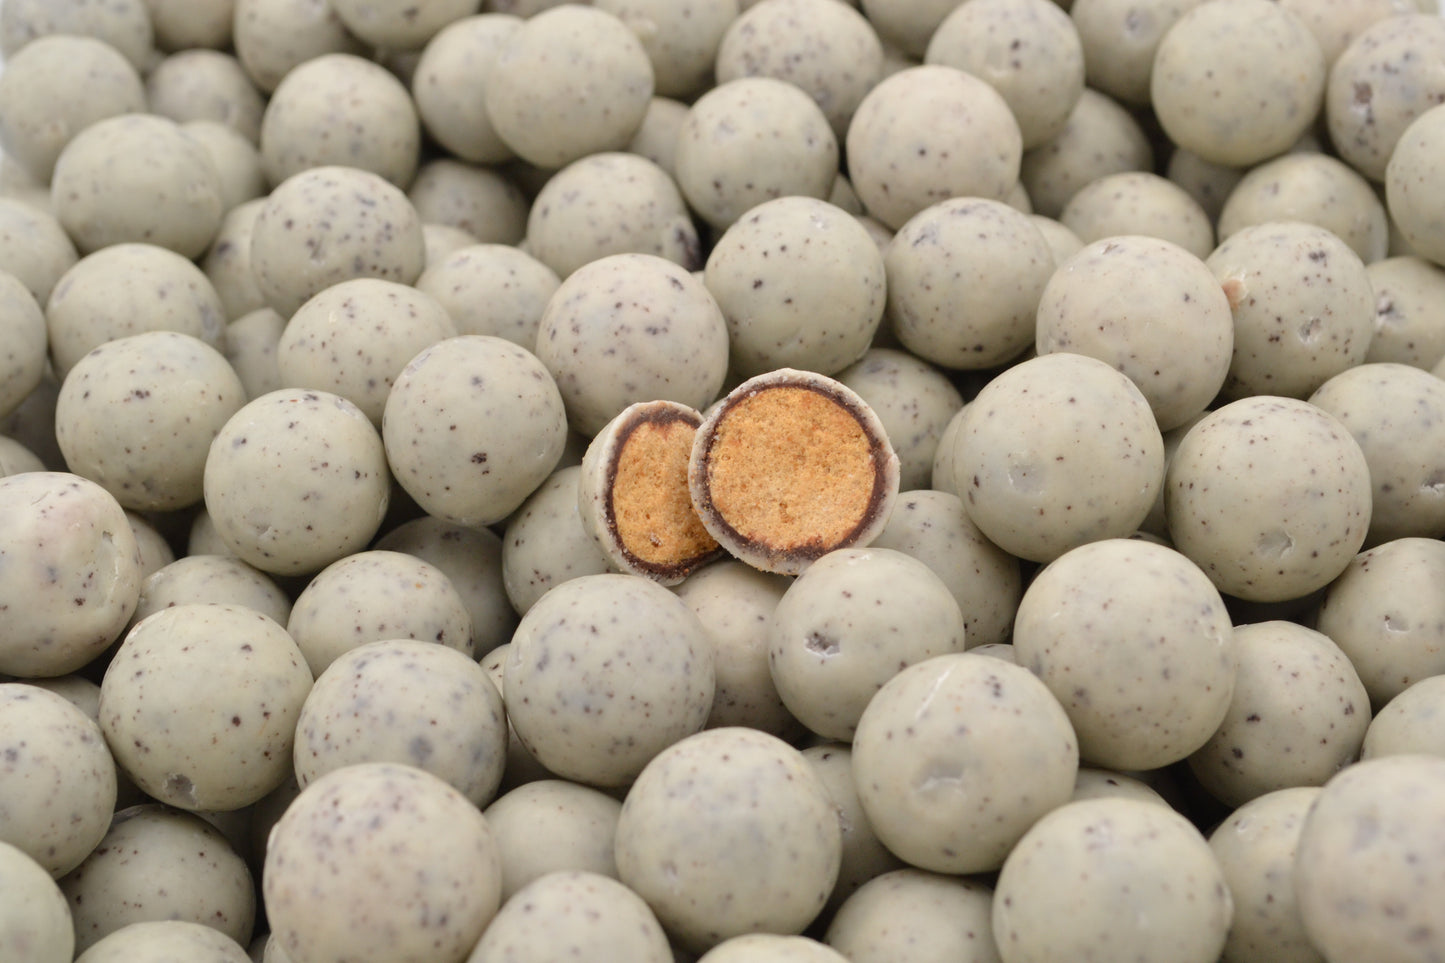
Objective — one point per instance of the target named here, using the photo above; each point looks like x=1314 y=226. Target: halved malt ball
x=790 y=466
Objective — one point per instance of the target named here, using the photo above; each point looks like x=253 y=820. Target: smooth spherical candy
x=35 y=923
x=573 y=914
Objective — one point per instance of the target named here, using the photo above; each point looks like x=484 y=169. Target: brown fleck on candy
x=633 y=494
x=789 y=466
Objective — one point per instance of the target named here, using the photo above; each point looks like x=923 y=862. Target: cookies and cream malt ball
x=964 y=281
x=206 y=85
x=656 y=137
x=400 y=24
x=56 y=87
x=1135 y=643
x=1119 y=40
x=137 y=178
x=907 y=25
x=1027 y=50
x=800 y=285
x=1302 y=304
x=183 y=24
x=478 y=200
x=751 y=140
x=33 y=247
x=1412 y=722
x=604 y=672
x=1270 y=497
x=927 y=134
x=1138 y=202
x=914 y=400
x=1337 y=22
x=1055 y=452
x=957 y=756
x=1409 y=311
x=1368 y=858
x=237 y=161
x=938 y=918
x=1313 y=188
x=574 y=914
x=227 y=263
x=72 y=573
x=771 y=948
x=552 y=826
x=124 y=25
x=492 y=289
x=381 y=862
x=1237 y=81
x=472 y=426
x=864 y=856
x=1100 y=138
x=59 y=781
x=165 y=940
x=274 y=36
x=450 y=84
x=220 y=579
x=330 y=224
x=16 y=458
x=35 y=921
x=1116 y=878
x=545 y=543
x=729 y=832
x=1208 y=183
x=1412 y=180
x=296 y=480
x=570 y=81
x=681 y=38
x=251 y=348
x=1150 y=309
x=25 y=356
x=629 y=328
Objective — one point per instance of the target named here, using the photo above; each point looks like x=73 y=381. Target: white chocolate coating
x=1335 y=23
x=206 y=85
x=1138 y=202
x=545 y=543
x=864 y=856
x=939 y=919
x=33 y=247
x=574 y=914
x=605 y=672
x=380 y=861
x=1313 y=188
x=274 y=36
x=726 y=833
x=400 y=24
x=771 y=948
x=34 y=919
x=957 y=756
x=181 y=24
x=25 y=354
x=1411 y=177
x=1112 y=878
x=251 y=342
x=915 y=402
x=219 y=579
x=1207 y=182
x=492 y=289
x=681 y=38
x=228 y=261
x=72 y=572
x=907 y=25
x=656 y=137
x=1096 y=783
x=16 y=458
x=124 y=25
x=479 y=200
x=1412 y=722
x=236 y=159
x=551 y=826
x=1409 y=311
x=1099 y=138
x=450 y=86
x=1120 y=38
x=166 y=940
x=800 y=284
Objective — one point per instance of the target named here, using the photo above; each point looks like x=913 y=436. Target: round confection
x=914 y=401
x=771 y=948
x=1096 y=783
x=200 y=704
x=166 y=940
x=551 y=826
x=479 y=200
x=206 y=85
x=493 y=289
x=1397 y=415
x=274 y=36
x=1149 y=308
x=1137 y=878
x=218 y=579
x=681 y=38
x=375 y=596
x=443 y=240
x=1298 y=715
x=25 y=354
x=415 y=703
x=751 y=140
x=1337 y=22
x=327 y=225
x=412 y=873
x=864 y=855
x=610 y=203
x=72 y=573
x=1138 y=202
x=400 y=24
x=296 y=480
x=450 y=86
x=472 y=426
x=1210 y=184
x=56 y=87
x=604 y=672
x=656 y=138
x=182 y=24
x=834 y=489
x=1055 y=452
x=940 y=917
x=1027 y=50
x=1255 y=847
x=59 y=785
x=1385 y=615
x=237 y=161
x=964 y=282
x=1313 y=188
x=16 y=458
x=956 y=756
x=1412 y=181
x=124 y=25
x=545 y=543
x=574 y=914
x=1382 y=82
x=828 y=50
x=729 y=832
x=901 y=159
x=800 y=284
x=471 y=558
x=32 y=423
x=1210 y=68
x=570 y=81
x=355 y=337
x=340 y=109
x=1366 y=861
x=629 y=328
x=1409 y=311
x=633 y=495
x=35 y=921
x=155 y=551
x=139 y=178
x=1270 y=497
x=907 y=25
x=1412 y=722
x=137 y=415
x=1099 y=138
x=251 y=342
x=1302 y=304
x=522 y=767
x=33 y=247
x=848 y=624
x=1120 y=38
x=228 y=261
x=160 y=863
x=128 y=289
x=1135 y=642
